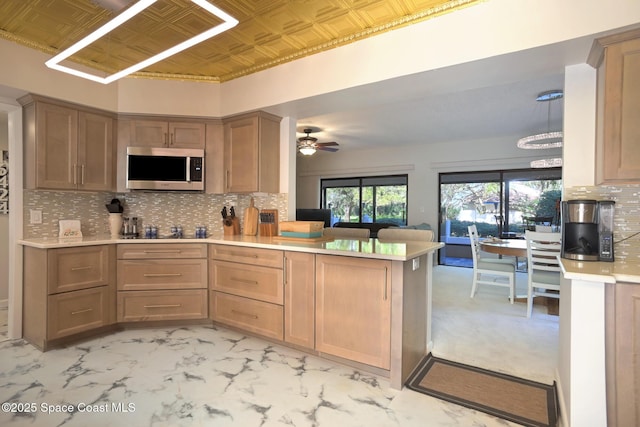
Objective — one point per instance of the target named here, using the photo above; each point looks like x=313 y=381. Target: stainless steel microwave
x=154 y=168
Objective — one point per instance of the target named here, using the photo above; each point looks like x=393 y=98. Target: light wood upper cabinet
x=170 y=134
x=252 y=153
x=617 y=59
x=95 y=152
x=353 y=309
x=67 y=148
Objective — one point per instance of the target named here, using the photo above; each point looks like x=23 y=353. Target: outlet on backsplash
x=35 y=216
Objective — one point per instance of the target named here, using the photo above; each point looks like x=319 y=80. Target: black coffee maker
x=587 y=230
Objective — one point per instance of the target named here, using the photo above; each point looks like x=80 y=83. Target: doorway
x=13 y=111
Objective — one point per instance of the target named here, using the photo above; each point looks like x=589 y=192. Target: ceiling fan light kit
x=54 y=63
x=307 y=151
x=308 y=145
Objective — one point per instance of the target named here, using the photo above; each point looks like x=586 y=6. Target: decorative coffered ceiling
x=270 y=32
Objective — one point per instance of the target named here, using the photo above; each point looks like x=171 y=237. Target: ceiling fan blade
x=327 y=149
x=327 y=144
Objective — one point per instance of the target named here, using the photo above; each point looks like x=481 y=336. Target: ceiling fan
x=308 y=145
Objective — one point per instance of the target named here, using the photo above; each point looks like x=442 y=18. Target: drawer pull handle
x=242 y=313
x=86 y=310
x=248 y=282
x=163 y=306
x=162 y=274
x=166 y=251
x=88 y=267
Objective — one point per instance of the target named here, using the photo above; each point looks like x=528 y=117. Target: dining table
x=516 y=248
x=506 y=247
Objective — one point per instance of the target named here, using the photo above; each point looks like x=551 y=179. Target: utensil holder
x=115 y=224
x=231 y=226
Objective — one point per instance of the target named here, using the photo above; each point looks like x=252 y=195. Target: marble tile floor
x=211 y=376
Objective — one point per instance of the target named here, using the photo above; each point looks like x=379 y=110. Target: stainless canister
x=582 y=211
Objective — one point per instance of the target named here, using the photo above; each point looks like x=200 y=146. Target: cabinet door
x=95 y=152
x=353 y=309
x=241 y=155
x=618 y=149
x=149 y=133
x=57 y=142
x=299 y=299
x=186 y=135
x=623 y=382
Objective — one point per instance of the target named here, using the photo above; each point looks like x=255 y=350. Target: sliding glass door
x=500 y=203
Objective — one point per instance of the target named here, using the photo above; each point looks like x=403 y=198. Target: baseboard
x=4 y=303
x=561 y=403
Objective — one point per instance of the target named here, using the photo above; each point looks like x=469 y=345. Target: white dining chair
x=346 y=232
x=405 y=235
x=494 y=267
x=543 y=250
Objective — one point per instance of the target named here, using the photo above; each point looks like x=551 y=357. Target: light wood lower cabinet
x=252 y=315
x=299 y=298
x=140 y=306
x=353 y=309
x=623 y=354
x=246 y=289
x=67 y=291
x=159 y=281
x=73 y=312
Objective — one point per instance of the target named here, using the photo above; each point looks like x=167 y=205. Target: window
x=366 y=199
x=501 y=204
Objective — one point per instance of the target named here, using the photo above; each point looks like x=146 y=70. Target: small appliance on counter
x=587 y=230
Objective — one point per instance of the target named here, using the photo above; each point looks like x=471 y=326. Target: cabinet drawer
x=77 y=268
x=264 y=257
x=78 y=311
x=261 y=283
x=162 y=274
x=137 y=306
x=255 y=316
x=162 y=250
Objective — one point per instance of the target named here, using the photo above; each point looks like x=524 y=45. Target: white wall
x=579 y=126
x=422 y=163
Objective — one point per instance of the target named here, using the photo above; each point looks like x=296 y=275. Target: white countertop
x=362 y=248
x=606 y=272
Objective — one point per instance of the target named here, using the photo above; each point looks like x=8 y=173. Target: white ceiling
x=485 y=99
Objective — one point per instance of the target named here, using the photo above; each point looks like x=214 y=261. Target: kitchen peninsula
x=366 y=302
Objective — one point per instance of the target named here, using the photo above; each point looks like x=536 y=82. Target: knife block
x=269 y=222
x=233 y=228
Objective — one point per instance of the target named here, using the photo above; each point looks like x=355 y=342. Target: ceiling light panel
x=226 y=22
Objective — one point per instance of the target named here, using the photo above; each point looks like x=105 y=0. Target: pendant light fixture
x=548 y=139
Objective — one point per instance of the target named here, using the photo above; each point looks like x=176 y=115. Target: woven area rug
x=514 y=399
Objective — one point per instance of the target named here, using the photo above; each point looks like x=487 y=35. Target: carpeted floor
x=525 y=402
x=488 y=332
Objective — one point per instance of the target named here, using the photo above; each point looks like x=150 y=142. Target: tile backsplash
x=626 y=215
x=163 y=209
